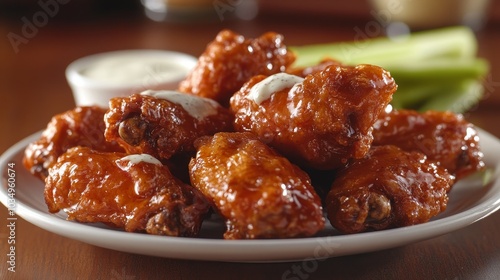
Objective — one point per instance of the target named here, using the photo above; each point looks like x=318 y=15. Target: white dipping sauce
x=97 y=78
x=197 y=107
x=264 y=89
x=137 y=158
x=131 y=69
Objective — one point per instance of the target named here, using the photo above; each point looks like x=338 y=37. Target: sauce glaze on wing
x=81 y=126
x=133 y=192
x=259 y=193
x=388 y=188
x=323 y=121
x=231 y=59
x=444 y=137
x=163 y=127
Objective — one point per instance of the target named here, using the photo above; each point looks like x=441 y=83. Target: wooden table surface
x=33 y=88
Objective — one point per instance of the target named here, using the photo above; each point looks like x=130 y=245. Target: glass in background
x=426 y=14
x=195 y=10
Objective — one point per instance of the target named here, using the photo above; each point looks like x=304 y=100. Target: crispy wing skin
x=388 y=188
x=160 y=127
x=231 y=59
x=259 y=193
x=82 y=126
x=444 y=137
x=322 y=122
x=123 y=192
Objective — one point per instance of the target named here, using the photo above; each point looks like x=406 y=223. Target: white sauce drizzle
x=197 y=107
x=135 y=159
x=264 y=89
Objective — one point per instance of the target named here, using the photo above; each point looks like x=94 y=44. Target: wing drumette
x=82 y=126
x=386 y=189
x=321 y=121
x=230 y=60
x=259 y=193
x=133 y=192
x=163 y=123
x=444 y=137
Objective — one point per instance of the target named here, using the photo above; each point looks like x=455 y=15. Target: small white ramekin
x=88 y=90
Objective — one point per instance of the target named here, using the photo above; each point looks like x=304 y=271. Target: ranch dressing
x=264 y=89
x=137 y=158
x=197 y=107
x=131 y=68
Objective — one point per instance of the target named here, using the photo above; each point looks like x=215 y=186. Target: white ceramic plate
x=470 y=201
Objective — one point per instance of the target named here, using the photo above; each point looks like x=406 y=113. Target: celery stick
x=460 y=99
x=452 y=42
x=418 y=84
x=425 y=96
x=435 y=69
x=452 y=95
x=438 y=70
x=411 y=96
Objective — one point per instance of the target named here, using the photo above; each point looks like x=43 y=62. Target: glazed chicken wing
x=133 y=192
x=388 y=188
x=444 y=137
x=230 y=60
x=259 y=193
x=82 y=126
x=163 y=123
x=321 y=121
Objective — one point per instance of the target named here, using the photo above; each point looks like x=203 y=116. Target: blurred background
x=75 y=10
x=39 y=38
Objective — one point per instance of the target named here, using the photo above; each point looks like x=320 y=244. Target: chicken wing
x=444 y=137
x=259 y=193
x=82 y=126
x=230 y=60
x=388 y=188
x=163 y=123
x=133 y=192
x=321 y=121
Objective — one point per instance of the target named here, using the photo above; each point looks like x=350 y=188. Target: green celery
x=438 y=70
x=411 y=96
x=452 y=42
x=459 y=99
x=434 y=70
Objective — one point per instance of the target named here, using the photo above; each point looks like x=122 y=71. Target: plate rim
x=333 y=245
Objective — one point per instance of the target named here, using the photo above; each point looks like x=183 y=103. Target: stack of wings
x=275 y=151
